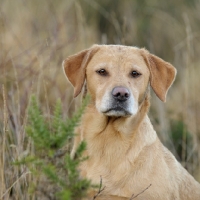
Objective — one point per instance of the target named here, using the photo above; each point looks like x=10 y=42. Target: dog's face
x=117 y=79
x=118 y=76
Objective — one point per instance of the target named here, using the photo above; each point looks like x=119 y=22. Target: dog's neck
x=126 y=132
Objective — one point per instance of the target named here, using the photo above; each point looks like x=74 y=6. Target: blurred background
x=36 y=36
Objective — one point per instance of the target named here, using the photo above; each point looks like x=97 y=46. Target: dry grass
x=36 y=36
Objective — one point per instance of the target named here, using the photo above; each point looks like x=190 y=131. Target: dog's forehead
x=117 y=50
x=118 y=54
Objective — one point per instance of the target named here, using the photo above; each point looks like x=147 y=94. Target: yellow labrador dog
x=123 y=149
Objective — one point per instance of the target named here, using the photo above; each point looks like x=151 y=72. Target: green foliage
x=48 y=136
x=182 y=140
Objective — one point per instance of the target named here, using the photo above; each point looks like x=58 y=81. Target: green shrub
x=50 y=162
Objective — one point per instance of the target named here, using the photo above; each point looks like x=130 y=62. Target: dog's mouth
x=117 y=111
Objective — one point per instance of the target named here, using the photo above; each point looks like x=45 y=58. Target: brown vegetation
x=36 y=36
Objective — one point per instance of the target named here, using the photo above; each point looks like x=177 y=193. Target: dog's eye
x=135 y=74
x=102 y=72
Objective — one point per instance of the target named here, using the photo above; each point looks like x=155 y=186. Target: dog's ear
x=74 y=67
x=162 y=74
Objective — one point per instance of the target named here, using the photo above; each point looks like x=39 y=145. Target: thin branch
x=100 y=190
x=134 y=196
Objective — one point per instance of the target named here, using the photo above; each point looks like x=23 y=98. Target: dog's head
x=117 y=77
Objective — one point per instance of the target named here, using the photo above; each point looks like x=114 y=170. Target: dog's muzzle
x=118 y=103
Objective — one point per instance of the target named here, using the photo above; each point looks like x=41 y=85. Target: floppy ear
x=162 y=74
x=74 y=67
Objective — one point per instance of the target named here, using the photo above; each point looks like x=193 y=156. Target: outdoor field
x=36 y=100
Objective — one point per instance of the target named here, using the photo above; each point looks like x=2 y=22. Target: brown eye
x=135 y=74
x=102 y=72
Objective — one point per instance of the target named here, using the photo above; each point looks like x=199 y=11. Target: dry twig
x=134 y=196
x=100 y=190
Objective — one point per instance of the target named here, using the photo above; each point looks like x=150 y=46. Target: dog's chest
x=118 y=174
x=108 y=161
x=110 y=169
x=113 y=159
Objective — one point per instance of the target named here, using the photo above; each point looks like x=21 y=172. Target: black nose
x=120 y=93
